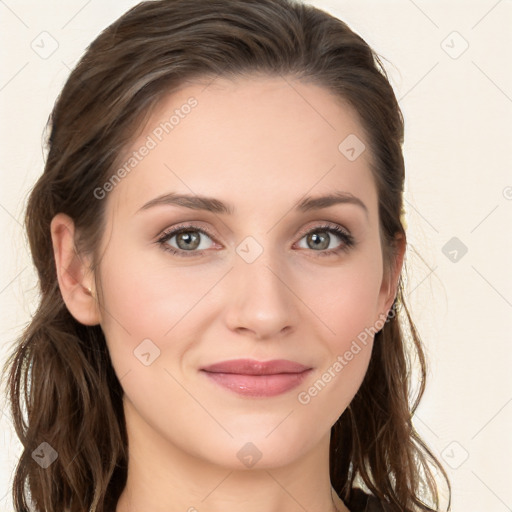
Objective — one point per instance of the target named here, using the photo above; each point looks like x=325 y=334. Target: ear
x=389 y=287
x=76 y=280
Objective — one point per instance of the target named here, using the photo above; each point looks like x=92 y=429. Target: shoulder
x=362 y=502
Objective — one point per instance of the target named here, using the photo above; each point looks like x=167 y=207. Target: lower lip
x=258 y=385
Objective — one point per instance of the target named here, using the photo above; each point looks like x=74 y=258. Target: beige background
x=457 y=104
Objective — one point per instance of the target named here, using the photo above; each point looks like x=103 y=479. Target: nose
x=261 y=300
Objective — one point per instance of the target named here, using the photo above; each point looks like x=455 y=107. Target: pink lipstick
x=255 y=378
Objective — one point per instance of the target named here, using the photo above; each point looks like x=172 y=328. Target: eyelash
x=347 y=239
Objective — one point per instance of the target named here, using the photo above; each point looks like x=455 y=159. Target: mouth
x=252 y=378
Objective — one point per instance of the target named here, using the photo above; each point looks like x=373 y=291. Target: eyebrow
x=210 y=204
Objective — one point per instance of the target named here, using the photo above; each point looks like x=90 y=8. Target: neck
x=163 y=478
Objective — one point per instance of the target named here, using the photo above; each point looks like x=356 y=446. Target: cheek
x=347 y=354
x=345 y=300
x=144 y=299
x=346 y=303
x=335 y=384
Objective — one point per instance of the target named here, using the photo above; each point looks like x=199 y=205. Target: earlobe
x=76 y=281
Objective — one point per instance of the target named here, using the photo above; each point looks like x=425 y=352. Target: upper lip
x=253 y=367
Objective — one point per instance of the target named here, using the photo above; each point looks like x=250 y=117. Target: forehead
x=272 y=138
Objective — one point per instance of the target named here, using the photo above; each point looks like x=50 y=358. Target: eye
x=191 y=240
x=187 y=239
x=320 y=239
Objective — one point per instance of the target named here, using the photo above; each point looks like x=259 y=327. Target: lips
x=255 y=378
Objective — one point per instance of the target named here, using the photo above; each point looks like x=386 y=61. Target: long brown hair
x=61 y=383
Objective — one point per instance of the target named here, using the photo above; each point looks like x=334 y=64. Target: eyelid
x=324 y=224
x=171 y=232
x=185 y=226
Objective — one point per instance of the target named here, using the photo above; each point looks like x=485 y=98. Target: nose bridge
x=261 y=299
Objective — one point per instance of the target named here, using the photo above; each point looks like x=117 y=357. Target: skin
x=261 y=145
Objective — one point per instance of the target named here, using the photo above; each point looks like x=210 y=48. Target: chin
x=258 y=451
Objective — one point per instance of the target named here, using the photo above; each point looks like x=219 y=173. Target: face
x=246 y=266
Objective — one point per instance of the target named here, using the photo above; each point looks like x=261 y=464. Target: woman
x=219 y=244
